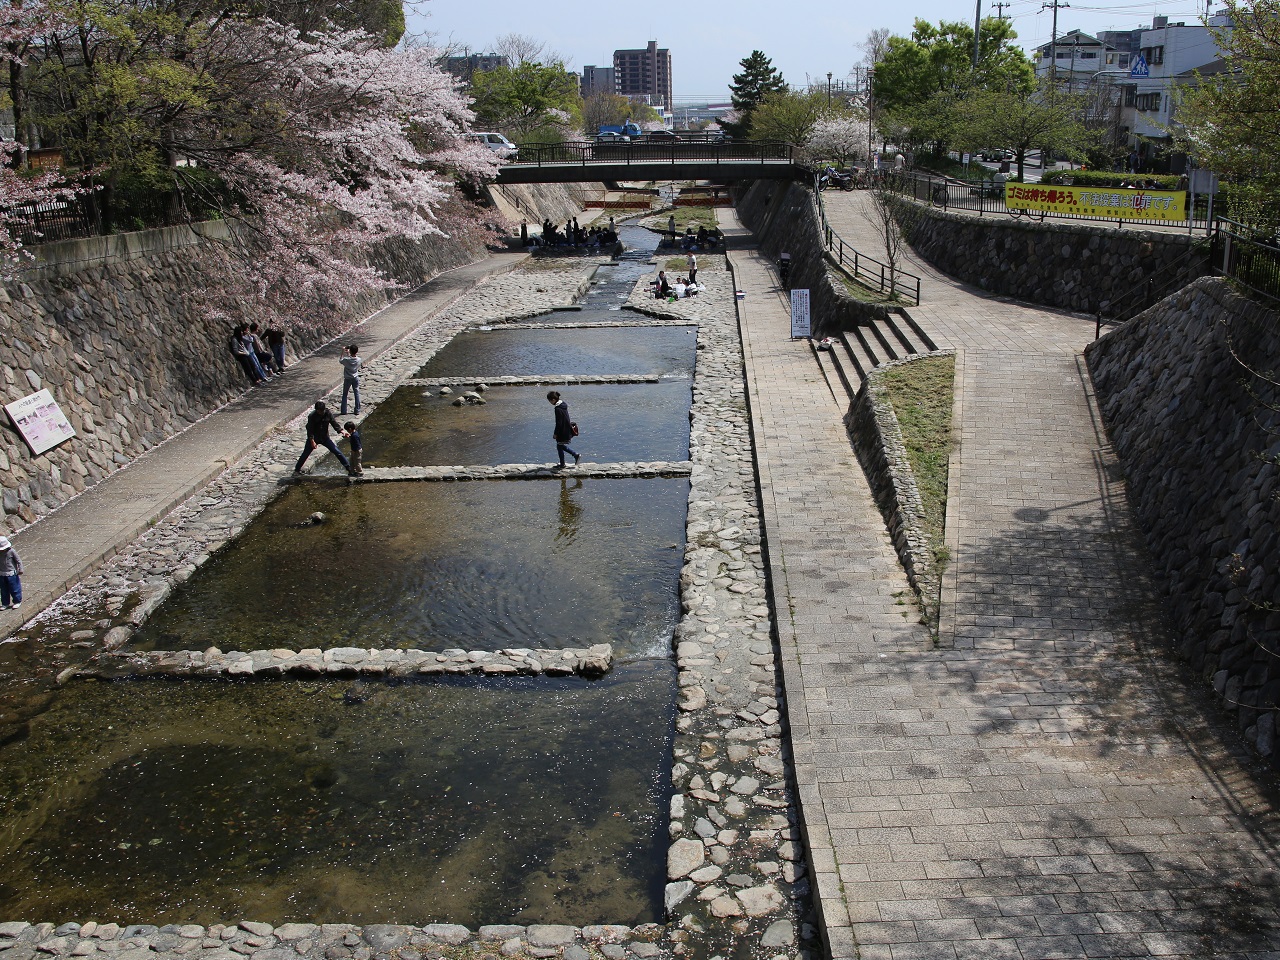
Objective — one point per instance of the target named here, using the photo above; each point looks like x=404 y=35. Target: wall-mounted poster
x=40 y=421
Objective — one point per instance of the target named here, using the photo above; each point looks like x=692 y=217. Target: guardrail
x=641 y=151
x=987 y=196
x=870 y=272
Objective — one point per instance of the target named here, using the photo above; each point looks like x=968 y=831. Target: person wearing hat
x=10 y=576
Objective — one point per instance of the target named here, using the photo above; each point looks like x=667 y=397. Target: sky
x=708 y=38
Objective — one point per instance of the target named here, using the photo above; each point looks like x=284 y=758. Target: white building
x=1073 y=59
x=1168 y=56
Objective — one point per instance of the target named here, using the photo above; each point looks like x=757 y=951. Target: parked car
x=662 y=136
x=497 y=143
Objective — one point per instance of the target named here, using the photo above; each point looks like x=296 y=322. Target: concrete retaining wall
x=108 y=326
x=784 y=218
x=1199 y=438
x=1075 y=267
x=877 y=441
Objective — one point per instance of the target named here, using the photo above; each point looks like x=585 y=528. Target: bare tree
x=880 y=214
x=518 y=49
x=874 y=47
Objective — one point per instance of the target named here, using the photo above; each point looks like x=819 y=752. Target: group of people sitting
x=575 y=236
x=703 y=239
x=260 y=361
x=664 y=289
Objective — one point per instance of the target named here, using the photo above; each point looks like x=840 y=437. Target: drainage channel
x=409 y=773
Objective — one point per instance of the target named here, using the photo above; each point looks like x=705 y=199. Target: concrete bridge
x=646 y=160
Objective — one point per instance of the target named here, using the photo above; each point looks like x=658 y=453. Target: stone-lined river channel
x=469 y=705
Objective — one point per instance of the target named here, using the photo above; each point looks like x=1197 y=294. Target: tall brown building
x=644 y=73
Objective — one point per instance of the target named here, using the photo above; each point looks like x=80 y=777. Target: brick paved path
x=1043 y=784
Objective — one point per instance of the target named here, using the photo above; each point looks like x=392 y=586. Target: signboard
x=800 y=313
x=1140 y=70
x=1107 y=203
x=40 y=421
x=1204 y=182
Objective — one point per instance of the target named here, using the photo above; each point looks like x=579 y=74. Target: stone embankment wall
x=1199 y=437
x=108 y=326
x=784 y=218
x=1072 y=266
x=877 y=440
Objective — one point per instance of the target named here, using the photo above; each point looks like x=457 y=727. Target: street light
x=828 y=86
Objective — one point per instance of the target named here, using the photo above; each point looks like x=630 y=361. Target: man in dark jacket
x=319 y=421
x=563 y=432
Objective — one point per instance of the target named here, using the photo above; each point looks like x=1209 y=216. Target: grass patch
x=688 y=217
x=921 y=394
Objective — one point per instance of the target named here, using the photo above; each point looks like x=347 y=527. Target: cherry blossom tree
x=21 y=190
x=316 y=145
x=840 y=138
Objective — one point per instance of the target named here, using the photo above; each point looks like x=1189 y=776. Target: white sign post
x=40 y=421
x=800 y=313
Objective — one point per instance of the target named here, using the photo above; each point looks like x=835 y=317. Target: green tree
x=757 y=80
x=920 y=80
x=790 y=115
x=1229 y=119
x=531 y=101
x=1019 y=119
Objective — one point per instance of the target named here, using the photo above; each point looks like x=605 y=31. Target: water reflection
x=336 y=801
x=549 y=352
x=569 y=512
x=479 y=565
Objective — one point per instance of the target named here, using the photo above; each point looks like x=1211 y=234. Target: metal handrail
x=1242 y=256
x=672 y=151
x=877 y=274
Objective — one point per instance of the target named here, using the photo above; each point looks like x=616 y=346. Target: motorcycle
x=831 y=177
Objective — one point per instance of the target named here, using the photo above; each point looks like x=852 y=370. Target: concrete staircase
x=858 y=351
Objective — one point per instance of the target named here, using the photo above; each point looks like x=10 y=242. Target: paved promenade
x=61 y=548
x=1043 y=783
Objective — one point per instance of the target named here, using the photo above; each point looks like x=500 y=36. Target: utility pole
x=977 y=31
x=1000 y=5
x=1053 y=40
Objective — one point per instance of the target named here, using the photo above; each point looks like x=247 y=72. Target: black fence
x=36 y=223
x=987 y=197
x=896 y=284
x=1250 y=260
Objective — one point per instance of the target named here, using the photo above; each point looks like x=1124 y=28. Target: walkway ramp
x=1043 y=783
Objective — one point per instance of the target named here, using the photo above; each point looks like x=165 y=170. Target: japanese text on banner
x=1108 y=203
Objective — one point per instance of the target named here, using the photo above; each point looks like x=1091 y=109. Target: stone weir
x=593 y=661
x=333 y=941
x=514 y=471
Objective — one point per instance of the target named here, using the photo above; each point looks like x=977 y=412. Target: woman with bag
x=565 y=429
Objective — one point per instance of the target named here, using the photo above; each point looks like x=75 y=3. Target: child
x=357 y=448
x=10 y=576
x=350 y=378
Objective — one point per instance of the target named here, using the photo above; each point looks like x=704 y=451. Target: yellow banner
x=1110 y=203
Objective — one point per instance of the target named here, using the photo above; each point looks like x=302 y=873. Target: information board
x=40 y=421
x=800 y=326
x=1107 y=203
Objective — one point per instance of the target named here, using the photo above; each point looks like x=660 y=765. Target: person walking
x=319 y=421
x=351 y=378
x=565 y=429
x=692 y=263
x=10 y=576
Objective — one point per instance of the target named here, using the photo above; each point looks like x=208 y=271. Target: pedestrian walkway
x=61 y=548
x=1043 y=783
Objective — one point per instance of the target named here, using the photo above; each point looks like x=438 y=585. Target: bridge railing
x=641 y=151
